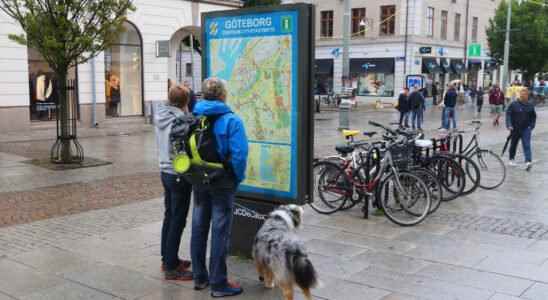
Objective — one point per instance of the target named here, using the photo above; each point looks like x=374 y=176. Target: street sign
x=474 y=50
x=425 y=50
x=414 y=81
x=442 y=51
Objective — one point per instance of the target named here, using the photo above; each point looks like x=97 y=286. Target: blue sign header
x=251 y=25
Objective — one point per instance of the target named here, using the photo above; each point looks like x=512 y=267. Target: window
x=475 y=22
x=457 y=27
x=444 y=17
x=388 y=20
x=358 y=15
x=326 y=23
x=430 y=22
x=188 y=69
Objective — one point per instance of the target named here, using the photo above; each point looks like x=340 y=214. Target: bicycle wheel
x=473 y=173
x=433 y=184
x=405 y=199
x=450 y=175
x=493 y=170
x=331 y=188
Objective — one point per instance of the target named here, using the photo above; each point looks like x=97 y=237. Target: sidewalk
x=489 y=245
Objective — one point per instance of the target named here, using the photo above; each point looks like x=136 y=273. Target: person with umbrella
x=521 y=119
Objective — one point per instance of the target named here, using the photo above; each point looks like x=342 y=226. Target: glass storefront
x=124 y=74
x=374 y=76
x=43 y=87
x=323 y=76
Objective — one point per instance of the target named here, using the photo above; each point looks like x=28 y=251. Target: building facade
x=154 y=46
x=394 y=38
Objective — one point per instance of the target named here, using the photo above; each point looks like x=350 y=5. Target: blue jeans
x=177 y=202
x=404 y=119
x=447 y=112
x=213 y=207
x=416 y=118
x=525 y=136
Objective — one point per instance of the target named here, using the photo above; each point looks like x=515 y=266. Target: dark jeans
x=416 y=118
x=525 y=136
x=215 y=207
x=177 y=202
x=404 y=118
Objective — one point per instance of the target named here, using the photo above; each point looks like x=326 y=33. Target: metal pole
x=507 y=47
x=93 y=94
x=192 y=61
x=406 y=38
x=346 y=41
x=466 y=23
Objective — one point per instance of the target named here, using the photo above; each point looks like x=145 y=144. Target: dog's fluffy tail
x=303 y=271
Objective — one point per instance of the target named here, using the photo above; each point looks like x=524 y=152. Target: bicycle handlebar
x=373 y=123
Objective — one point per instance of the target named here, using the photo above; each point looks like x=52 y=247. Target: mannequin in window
x=114 y=87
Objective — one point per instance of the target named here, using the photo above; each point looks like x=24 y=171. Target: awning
x=491 y=65
x=371 y=65
x=445 y=65
x=457 y=66
x=324 y=66
x=430 y=65
x=474 y=65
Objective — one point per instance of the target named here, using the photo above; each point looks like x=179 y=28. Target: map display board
x=261 y=56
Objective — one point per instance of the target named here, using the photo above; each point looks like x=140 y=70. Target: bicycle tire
x=450 y=174
x=480 y=157
x=433 y=184
x=473 y=173
x=329 y=176
x=422 y=191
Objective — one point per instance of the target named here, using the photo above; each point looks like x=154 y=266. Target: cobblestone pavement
x=488 y=245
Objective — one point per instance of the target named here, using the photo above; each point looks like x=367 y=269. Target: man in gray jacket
x=172 y=119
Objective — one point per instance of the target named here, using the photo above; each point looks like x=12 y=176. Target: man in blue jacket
x=521 y=119
x=213 y=204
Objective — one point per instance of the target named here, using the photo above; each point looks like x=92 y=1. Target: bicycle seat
x=344 y=149
x=476 y=122
x=369 y=133
x=350 y=133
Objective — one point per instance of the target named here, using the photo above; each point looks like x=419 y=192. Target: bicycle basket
x=402 y=155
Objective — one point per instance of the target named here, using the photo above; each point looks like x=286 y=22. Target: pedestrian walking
x=403 y=108
x=449 y=112
x=214 y=201
x=417 y=105
x=521 y=120
x=172 y=119
x=435 y=88
x=496 y=100
x=479 y=100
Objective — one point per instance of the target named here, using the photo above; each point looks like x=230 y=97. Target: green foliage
x=253 y=3
x=528 y=36
x=67 y=32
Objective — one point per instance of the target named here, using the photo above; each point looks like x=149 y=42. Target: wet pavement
x=93 y=233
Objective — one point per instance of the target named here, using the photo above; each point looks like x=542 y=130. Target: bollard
x=344 y=114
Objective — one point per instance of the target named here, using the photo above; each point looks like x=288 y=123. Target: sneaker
x=178 y=275
x=512 y=163
x=200 y=285
x=232 y=289
x=183 y=265
x=528 y=166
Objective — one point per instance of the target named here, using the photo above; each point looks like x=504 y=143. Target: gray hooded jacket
x=169 y=120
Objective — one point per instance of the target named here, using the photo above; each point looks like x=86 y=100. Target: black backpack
x=200 y=144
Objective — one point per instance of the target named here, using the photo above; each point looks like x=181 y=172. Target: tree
x=253 y=3
x=67 y=33
x=528 y=36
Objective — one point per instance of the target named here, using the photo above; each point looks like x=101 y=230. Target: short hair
x=214 y=88
x=179 y=96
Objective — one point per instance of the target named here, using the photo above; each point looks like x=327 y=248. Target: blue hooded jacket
x=229 y=132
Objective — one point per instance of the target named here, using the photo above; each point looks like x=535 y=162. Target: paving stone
x=5 y=297
x=52 y=260
x=331 y=248
x=341 y=289
x=539 y=291
x=68 y=291
x=399 y=296
x=392 y=262
x=374 y=243
x=504 y=297
x=484 y=280
x=523 y=270
x=336 y=267
x=18 y=280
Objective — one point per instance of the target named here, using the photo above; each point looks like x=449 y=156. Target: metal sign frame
x=303 y=185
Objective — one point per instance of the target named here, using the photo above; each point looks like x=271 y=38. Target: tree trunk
x=63 y=114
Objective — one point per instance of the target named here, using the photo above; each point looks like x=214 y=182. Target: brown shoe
x=178 y=275
x=183 y=265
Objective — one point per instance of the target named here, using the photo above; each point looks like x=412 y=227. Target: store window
x=374 y=76
x=326 y=24
x=43 y=87
x=430 y=22
x=358 y=18
x=457 y=27
x=444 y=20
x=388 y=20
x=475 y=22
x=124 y=74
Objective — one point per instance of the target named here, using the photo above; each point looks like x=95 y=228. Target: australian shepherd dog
x=280 y=256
